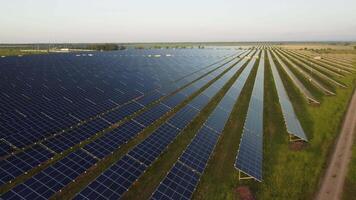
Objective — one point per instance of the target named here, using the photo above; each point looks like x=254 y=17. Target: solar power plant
x=93 y=125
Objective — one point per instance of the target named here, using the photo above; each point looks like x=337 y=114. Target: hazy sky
x=175 y=21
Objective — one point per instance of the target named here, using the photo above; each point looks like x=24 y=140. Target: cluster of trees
x=106 y=47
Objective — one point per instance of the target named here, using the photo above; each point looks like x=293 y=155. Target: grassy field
x=17 y=51
x=350 y=183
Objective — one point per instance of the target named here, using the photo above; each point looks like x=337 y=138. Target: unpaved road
x=333 y=181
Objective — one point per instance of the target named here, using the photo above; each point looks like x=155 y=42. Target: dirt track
x=333 y=181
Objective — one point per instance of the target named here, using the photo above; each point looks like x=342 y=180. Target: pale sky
x=32 y=21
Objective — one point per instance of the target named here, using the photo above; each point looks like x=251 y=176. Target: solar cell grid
x=5 y=148
x=250 y=153
x=292 y=123
x=152 y=114
x=122 y=112
x=147 y=151
x=114 y=139
x=16 y=165
x=114 y=181
x=178 y=184
x=183 y=117
x=53 y=178
x=198 y=152
x=174 y=100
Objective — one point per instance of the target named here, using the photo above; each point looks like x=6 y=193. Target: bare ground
x=334 y=178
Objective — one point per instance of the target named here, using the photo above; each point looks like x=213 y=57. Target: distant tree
x=354 y=47
x=106 y=47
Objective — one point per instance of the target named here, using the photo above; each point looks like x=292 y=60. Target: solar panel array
x=81 y=108
x=184 y=176
x=250 y=153
x=98 y=148
x=57 y=91
x=290 y=118
x=146 y=152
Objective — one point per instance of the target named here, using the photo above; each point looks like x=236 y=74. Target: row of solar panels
x=112 y=140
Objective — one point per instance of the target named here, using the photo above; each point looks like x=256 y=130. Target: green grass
x=350 y=182
x=17 y=51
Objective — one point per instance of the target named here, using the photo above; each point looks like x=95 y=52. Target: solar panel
x=68 y=139
x=183 y=117
x=114 y=139
x=198 y=152
x=174 y=100
x=114 y=181
x=250 y=153
x=292 y=123
x=44 y=184
x=18 y=164
x=151 y=115
x=179 y=183
x=151 y=97
x=5 y=148
x=122 y=112
x=148 y=150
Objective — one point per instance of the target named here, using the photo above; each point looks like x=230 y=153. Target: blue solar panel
x=180 y=183
x=114 y=139
x=198 y=152
x=52 y=179
x=5 y=148
x=149 y=98
x=22 y=162
x=148 y=150
x=122 y=112
x=154 y=113
x=292 y=123
x=183 y=117
x=174 y=100
x=114 y=181
x=250 y=153
x=64 y=141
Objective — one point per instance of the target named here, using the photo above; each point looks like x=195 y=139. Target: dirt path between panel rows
x=334 y=178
